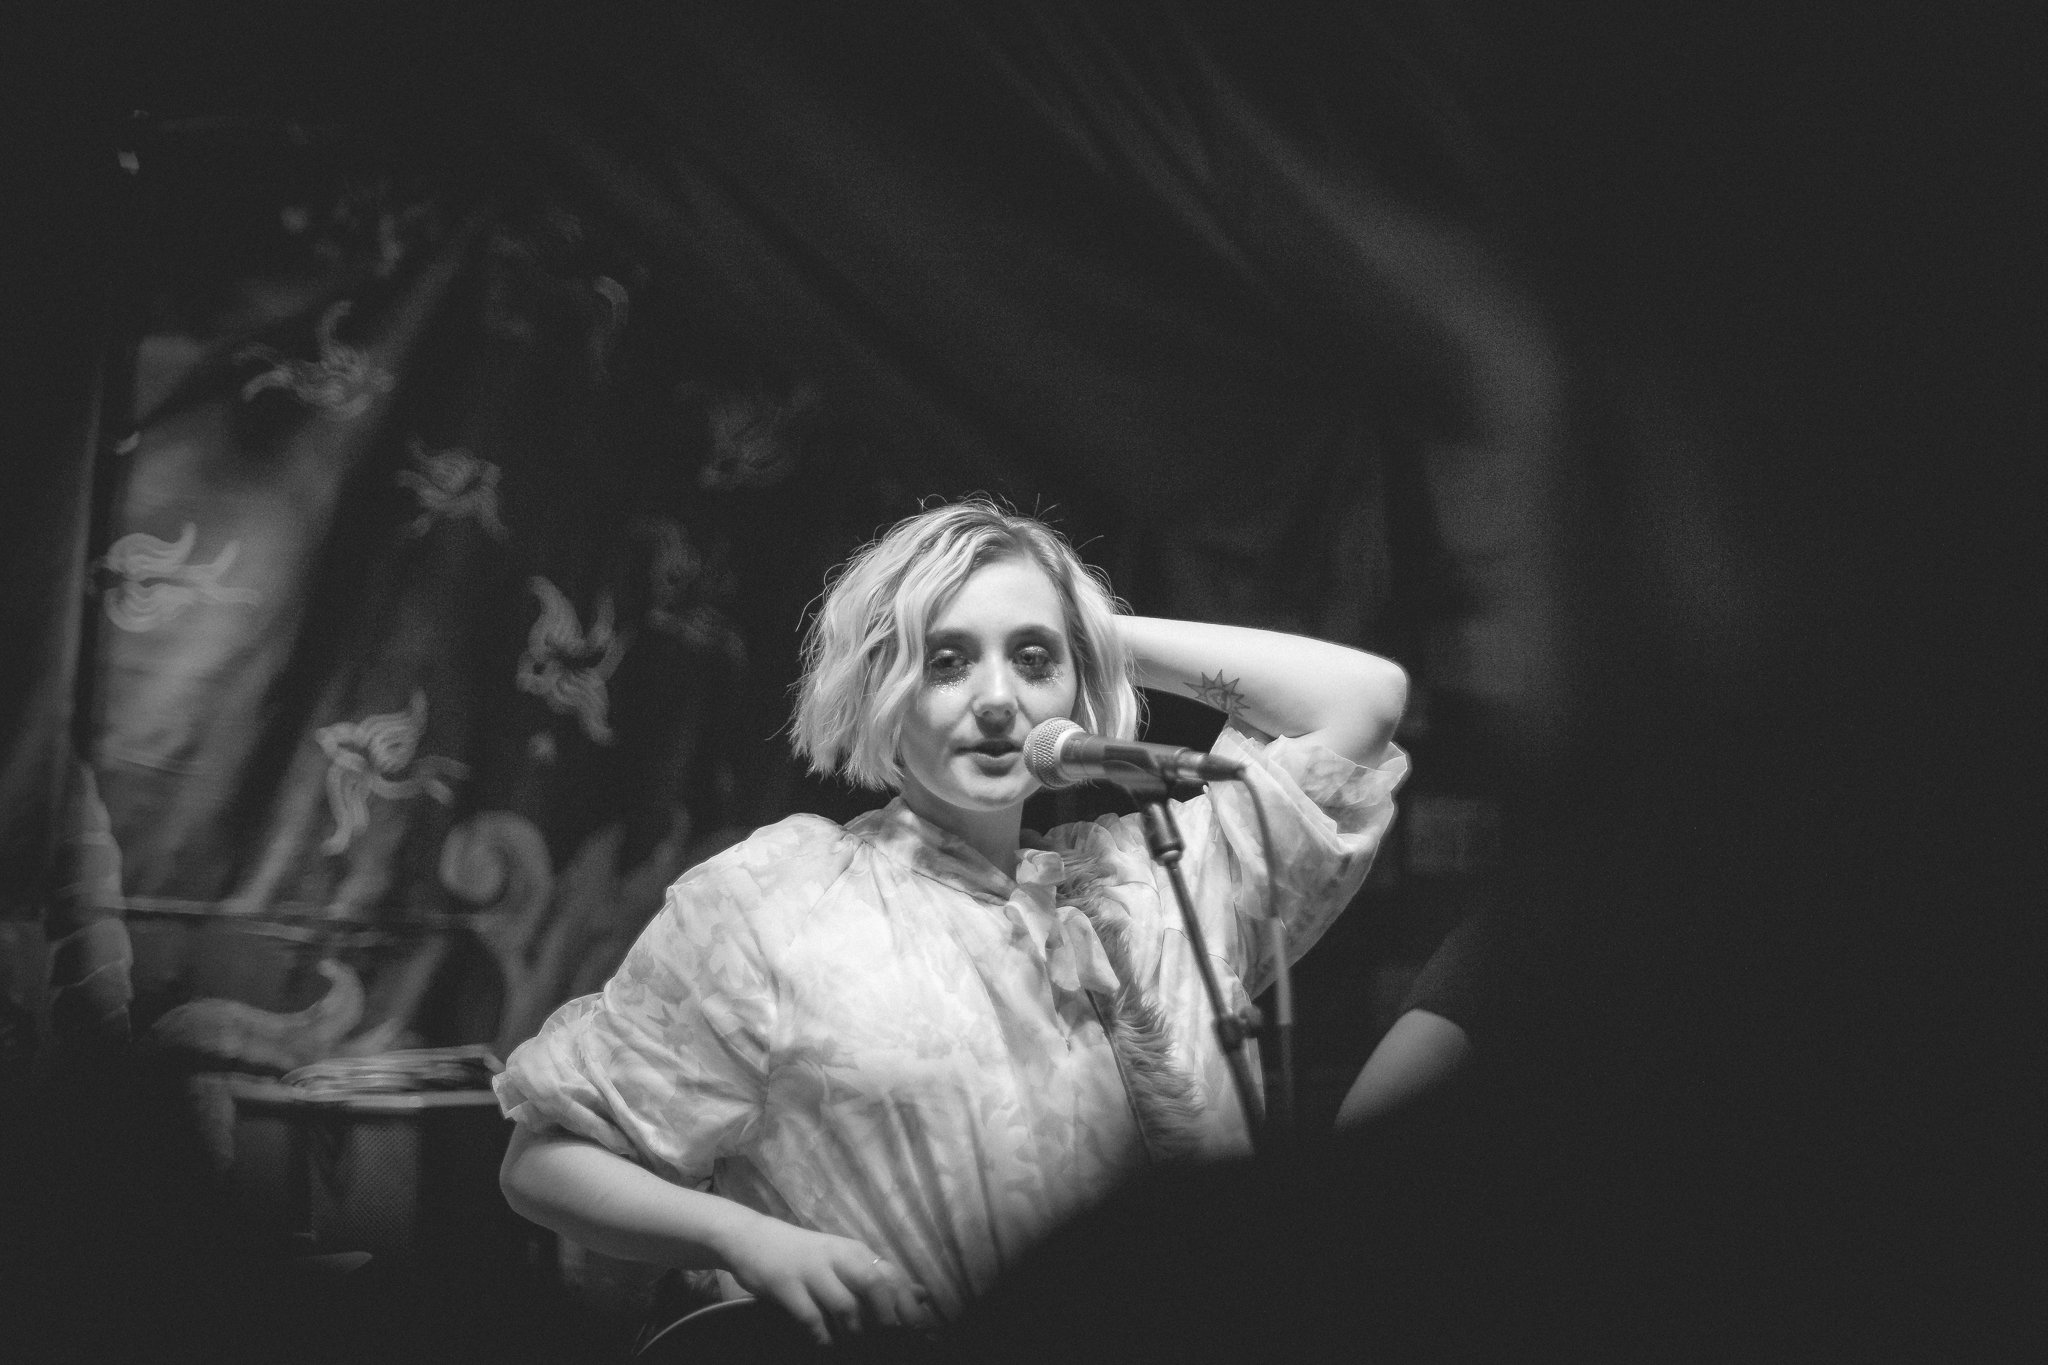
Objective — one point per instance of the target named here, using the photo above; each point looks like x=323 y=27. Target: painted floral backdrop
x=422 y=662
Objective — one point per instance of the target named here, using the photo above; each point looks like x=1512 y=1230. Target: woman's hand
x=836 y=1287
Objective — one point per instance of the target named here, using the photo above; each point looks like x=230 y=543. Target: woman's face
x=997 y=662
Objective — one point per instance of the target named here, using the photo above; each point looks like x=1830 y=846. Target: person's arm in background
x=1464 y=988
x=1420 y=1054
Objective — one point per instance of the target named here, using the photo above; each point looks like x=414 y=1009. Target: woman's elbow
x=1378 y=694
x=515 y=1170
x=1385 y=692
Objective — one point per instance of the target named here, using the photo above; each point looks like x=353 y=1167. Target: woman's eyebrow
x=956 y=637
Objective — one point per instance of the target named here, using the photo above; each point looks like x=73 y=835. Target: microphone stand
x=1162 y=838
x=1281 y=1117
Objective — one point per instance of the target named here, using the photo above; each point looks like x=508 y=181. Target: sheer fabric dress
x=870 y=1030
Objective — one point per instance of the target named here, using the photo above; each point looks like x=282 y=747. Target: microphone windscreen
x=1042 y=752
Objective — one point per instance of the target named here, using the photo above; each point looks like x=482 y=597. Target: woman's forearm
x=1345 y=699
x=833 y=1286
x=607 y=1203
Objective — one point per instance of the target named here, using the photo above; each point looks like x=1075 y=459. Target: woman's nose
x=996 y=699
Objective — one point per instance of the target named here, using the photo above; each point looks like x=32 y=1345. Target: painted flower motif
x=452 y=485
x=379 y=756
x=567 y=667
x=157 y=581
x=704 y=627
x=676 y=572
x=612 y=310
x=673 y=565
x=754 y=437
x=364 y=223
x=342 y=382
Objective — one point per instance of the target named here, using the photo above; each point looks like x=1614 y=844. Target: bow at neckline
x=1074 y=958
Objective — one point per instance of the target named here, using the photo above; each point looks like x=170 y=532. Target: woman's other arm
x=834 y=1286
x=1345 y=699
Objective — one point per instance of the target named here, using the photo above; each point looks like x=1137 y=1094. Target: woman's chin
x=993 y=796
x=983 y=792
x=967 y=785
x=990 y=784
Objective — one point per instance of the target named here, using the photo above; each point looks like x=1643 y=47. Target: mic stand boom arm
x=1162 y=837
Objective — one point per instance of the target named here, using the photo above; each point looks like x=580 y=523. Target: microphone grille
x=1042 y=752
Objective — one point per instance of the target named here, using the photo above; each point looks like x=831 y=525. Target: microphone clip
x=1233 y=1028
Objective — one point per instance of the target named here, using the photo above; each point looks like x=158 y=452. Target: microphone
x=1060 y=753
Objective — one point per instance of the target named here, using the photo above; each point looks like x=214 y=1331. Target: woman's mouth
x=994 y=748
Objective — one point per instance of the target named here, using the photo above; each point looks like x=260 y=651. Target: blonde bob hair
x=864 y=650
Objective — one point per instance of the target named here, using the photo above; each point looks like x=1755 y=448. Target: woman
x=859 y=1070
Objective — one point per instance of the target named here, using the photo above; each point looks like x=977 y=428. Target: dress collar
x=908 y=838
x=1073 y=955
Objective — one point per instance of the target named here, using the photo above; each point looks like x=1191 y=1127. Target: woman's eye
x=945 y=664
x=1035 y=662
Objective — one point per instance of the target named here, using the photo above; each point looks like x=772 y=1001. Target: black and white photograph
x=695 y=682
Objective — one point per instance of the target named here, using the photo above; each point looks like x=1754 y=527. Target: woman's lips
x=994 y=750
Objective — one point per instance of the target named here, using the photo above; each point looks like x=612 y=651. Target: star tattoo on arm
x=1221 y=693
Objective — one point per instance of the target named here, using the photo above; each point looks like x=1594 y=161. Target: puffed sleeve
x=1326 y=816
x=667 y=1065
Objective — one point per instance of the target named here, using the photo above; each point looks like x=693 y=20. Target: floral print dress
x=870 y=1030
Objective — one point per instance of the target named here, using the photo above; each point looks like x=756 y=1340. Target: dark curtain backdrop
x=433 y=420
x=479 y=404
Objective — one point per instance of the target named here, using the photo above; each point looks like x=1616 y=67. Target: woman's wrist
x=729 y=1229
x=1193 y=659
x=1140 y=634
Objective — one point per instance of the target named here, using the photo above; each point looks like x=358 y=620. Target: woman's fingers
x=797 y=1300
x=914 y=1306
x=852 y=1289
x=840 y=1305
x=889 y=1298
x=833 y=1286
x=914 y=1311
x=895 y=1300
x=882 y=1298
x=872 y=1281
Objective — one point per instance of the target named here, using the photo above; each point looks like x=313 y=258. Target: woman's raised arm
x=1345 y=699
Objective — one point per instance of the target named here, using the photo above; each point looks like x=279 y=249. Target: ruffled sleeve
x=667 y=1065
x=1326 y=816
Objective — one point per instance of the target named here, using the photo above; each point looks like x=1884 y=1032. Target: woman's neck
x=994 y=834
